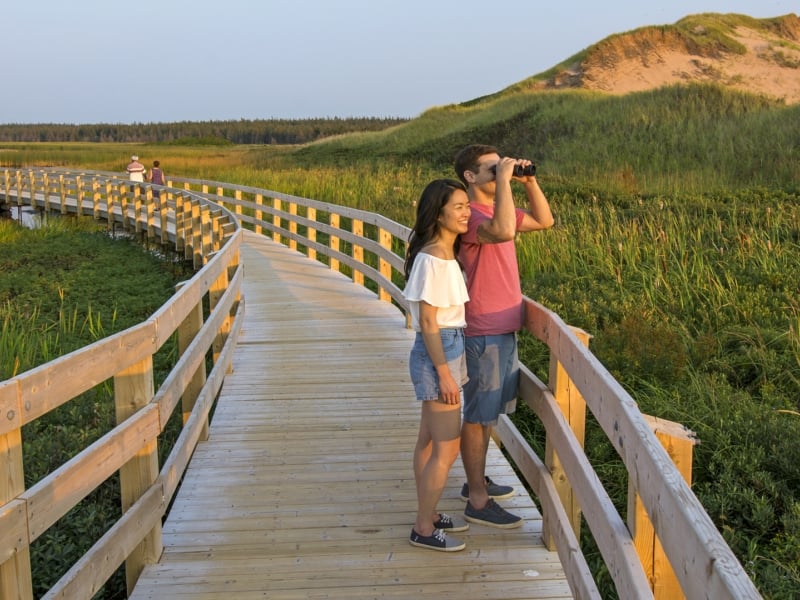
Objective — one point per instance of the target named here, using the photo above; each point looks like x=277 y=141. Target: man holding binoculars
x=494 y=312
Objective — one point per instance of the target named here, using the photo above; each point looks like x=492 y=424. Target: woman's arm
x=449 y=391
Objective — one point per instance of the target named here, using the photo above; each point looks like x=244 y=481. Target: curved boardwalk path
x=304 y=488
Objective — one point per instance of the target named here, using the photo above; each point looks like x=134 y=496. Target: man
x=136 y=170
x=494 y=313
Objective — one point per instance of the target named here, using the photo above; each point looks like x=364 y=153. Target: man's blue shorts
x=423 y=374
x=493 y=368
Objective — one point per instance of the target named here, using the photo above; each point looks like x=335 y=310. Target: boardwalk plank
x=305 y=487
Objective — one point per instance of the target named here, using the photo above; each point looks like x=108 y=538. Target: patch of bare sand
x=770 y=67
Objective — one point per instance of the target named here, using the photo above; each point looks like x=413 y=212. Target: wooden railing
x=211 y=237
x=370 y=249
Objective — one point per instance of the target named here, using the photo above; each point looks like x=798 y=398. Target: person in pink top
x=494 y=313
x=157 y=176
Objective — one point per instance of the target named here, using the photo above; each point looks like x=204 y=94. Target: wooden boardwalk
x=305 y=487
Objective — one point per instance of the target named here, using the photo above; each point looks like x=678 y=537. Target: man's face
x=485 y=174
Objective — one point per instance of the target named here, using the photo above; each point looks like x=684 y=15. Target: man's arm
x=502 y=227
x=538 y=216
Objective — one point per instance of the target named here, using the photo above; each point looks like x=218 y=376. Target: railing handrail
x=702 y=561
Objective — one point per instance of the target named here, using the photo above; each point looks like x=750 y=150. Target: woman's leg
x=435 y=452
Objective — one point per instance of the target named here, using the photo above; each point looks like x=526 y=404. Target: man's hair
x=467 y=159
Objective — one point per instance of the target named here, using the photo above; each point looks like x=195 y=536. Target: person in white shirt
x=136 y=170
x=436 y=292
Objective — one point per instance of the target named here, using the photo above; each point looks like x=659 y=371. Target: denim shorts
x=493 y=369
x=423 y=374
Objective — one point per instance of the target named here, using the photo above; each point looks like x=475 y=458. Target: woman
x=157 y=177
x=436 y=293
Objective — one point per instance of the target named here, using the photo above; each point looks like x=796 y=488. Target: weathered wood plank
x=305 y=486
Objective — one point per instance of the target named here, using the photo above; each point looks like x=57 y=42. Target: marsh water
x=27 y=216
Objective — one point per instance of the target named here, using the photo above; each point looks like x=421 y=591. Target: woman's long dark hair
x=435 y=195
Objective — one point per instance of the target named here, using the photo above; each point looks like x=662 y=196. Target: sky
x=151 y=61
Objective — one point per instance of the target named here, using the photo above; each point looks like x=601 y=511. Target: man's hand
x=524 y=162
x=504 y=170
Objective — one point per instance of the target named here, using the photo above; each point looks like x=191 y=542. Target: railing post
x=215 y=292
x=333 y=243
x=110 y=201
x=45 y=190
x=573 y=407
x=139 y=215
x=15 y=570
x=62 y=190
x=197 y=236
x=259 y=215
x=678 y=441
x=167 y=195
x=79 y=196
x=150 y=211
x=385 y=240
x=216 y=232
x=133 y=389
x=292 y=225
x=358 y=251
x=187 y=331
x=32 y=179
x=7 y=189
x=96 y=198
x=237 y=208
x=311 y=234
x=20 y=186
x=206 y=241
x=180 y=222
x=188 y=215
x=276 y=220
x=161 y=205
x=124 y=204
x=137 y=192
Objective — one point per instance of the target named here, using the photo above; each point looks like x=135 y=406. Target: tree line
x=243 y=131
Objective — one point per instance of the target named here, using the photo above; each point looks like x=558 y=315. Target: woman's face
x=454 y=216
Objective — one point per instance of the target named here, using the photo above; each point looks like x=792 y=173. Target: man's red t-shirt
x=495 y=294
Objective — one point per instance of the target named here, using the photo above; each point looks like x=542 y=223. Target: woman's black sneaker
x=450 y=524
x=436 y=541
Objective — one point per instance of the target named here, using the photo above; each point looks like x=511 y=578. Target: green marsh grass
x=693 y=305
x=64 y=286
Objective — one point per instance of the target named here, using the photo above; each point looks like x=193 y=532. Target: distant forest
x=262 y=131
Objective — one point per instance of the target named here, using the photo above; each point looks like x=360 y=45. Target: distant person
x=136 y=170
x=494 y=313
x=157 y=177
x=436 y=294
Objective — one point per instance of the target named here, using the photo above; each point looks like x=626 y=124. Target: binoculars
x=519 y=170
